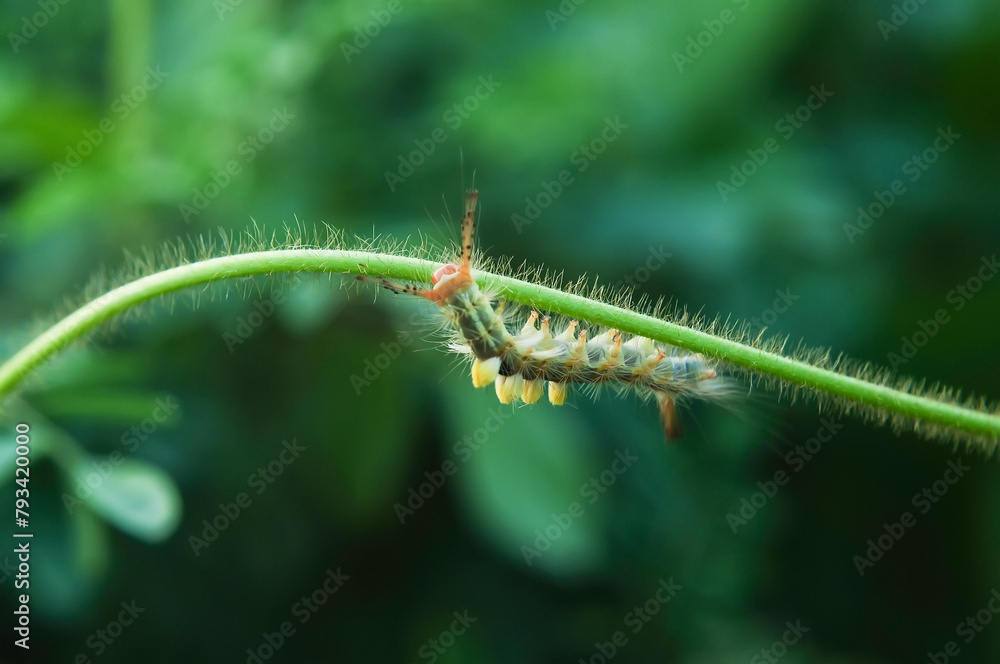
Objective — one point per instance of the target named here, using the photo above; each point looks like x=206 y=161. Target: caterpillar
x=521 y=364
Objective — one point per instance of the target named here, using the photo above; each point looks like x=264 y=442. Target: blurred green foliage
x=126 y=123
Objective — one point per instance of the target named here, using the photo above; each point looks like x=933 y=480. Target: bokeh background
x=124 y=124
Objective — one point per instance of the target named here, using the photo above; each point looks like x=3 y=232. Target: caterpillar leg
x=395 y=286
x=668 y=415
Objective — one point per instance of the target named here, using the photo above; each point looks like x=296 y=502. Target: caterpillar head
x=449 y=278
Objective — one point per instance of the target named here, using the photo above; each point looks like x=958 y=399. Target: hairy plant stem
x=754 y=360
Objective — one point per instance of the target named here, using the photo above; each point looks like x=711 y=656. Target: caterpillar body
x=521 y=364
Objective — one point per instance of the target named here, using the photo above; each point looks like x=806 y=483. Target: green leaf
x=520 y=471
x=138 y=498
x=91 y=546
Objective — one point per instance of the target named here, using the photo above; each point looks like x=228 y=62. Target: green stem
x=950 y=415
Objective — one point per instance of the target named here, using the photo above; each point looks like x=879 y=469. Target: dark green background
x=655 y=185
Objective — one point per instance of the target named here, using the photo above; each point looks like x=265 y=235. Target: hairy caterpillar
x=520 y=364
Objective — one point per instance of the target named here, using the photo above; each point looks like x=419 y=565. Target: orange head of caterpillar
x=449 y=278
x=443 y=271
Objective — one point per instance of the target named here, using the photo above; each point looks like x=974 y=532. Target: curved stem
x=84 y=319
